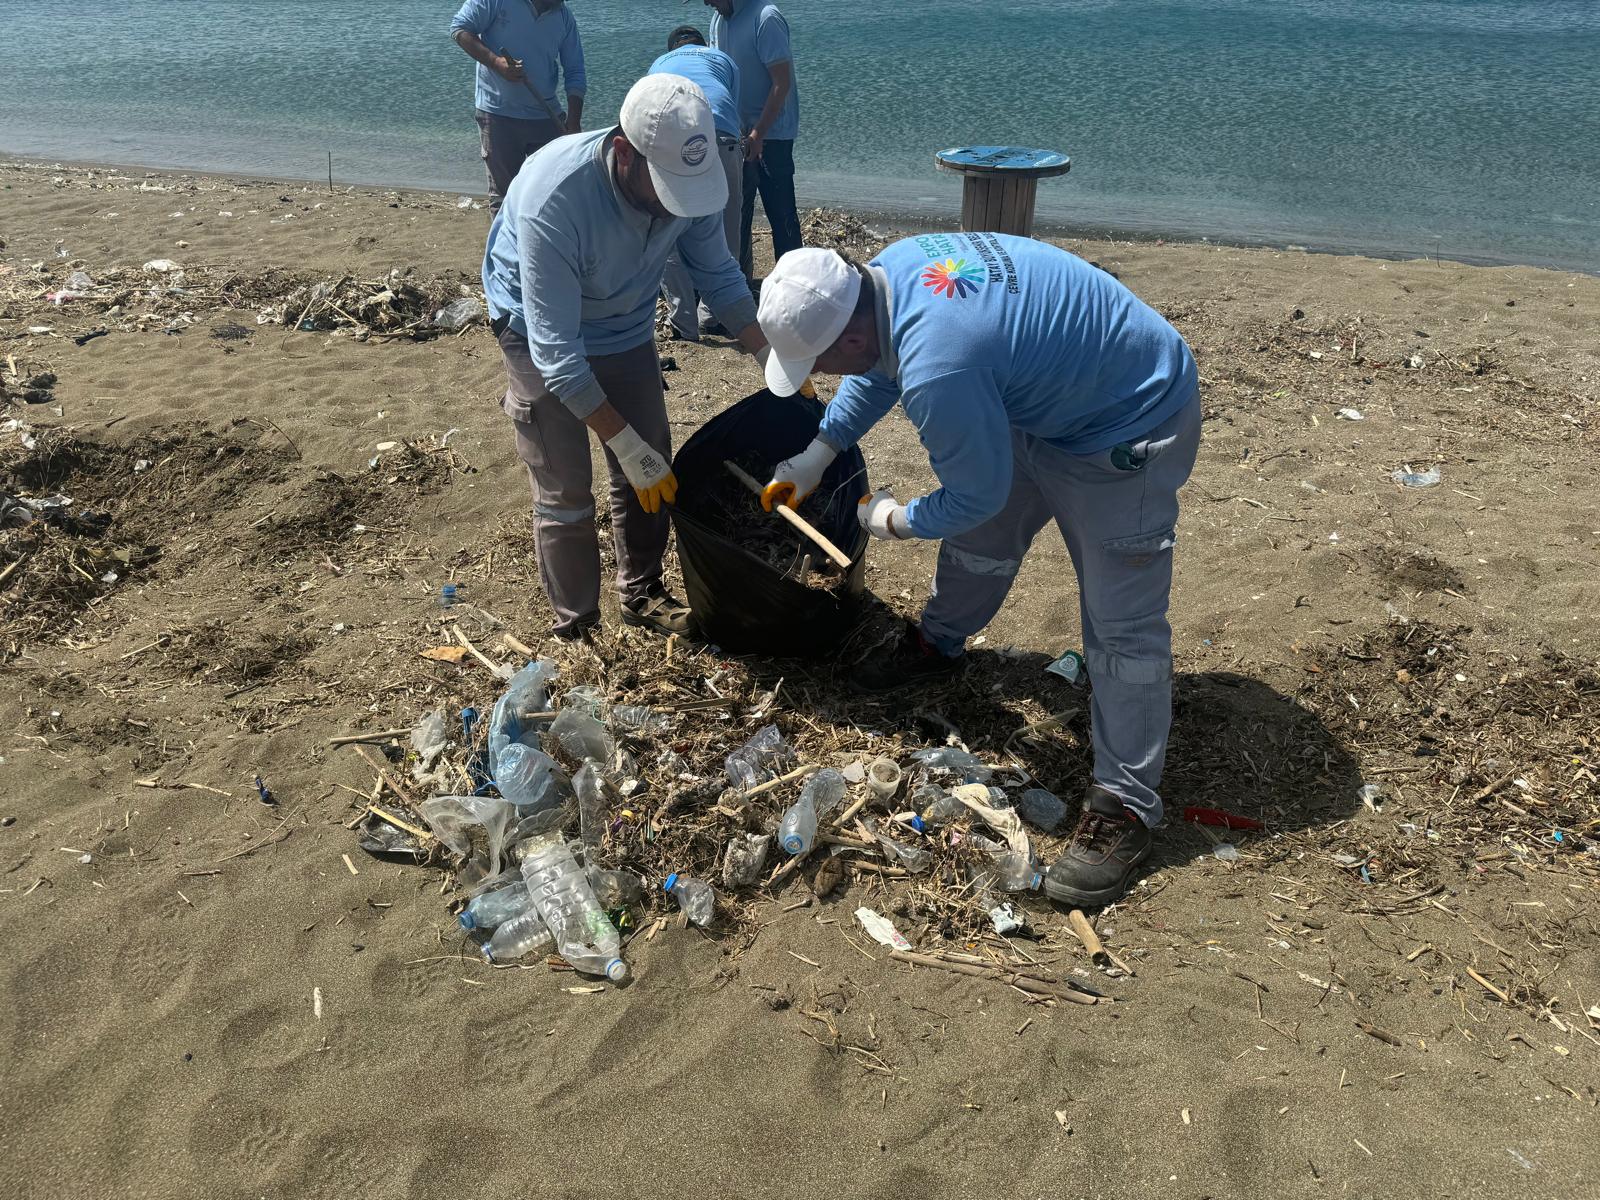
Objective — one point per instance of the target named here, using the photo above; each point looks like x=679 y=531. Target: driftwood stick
x=789 y=515
x=761 y=789
x=1098 y=954
x=395 y=786
x=1035 y=986
x=382 y=735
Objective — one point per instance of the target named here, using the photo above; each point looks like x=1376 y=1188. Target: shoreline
x=905 y=218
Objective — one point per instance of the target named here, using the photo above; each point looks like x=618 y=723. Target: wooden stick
x=789 y=515
x=350 y=739
x=761 y=789
x=1098 y=954
x=413 y=830
x=1038 y=988
x=395 y=785
x=499 y=671
x=6 y=574
x=517 y=646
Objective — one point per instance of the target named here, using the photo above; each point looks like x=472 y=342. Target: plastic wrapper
x=745 y=859
x=759 y=759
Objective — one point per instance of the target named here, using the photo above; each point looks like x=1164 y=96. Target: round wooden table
x=998 y=184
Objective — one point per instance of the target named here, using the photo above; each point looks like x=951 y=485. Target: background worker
x=756 y=36
x=519 y=46
x=1042 y=389
x=716 y=75
x=571 y=274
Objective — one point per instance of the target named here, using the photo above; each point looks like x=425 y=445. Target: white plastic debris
x=881 y=929
x=1350 y=414
x=1227 y=852
x=1369 y=794
x=464 y=202
x=161 y=266
x=1406 y=477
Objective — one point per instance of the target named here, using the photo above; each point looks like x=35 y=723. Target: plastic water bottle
x=694 y=896
x=524 y=934
x=584 y=935
x=797 y=832
x=495 y=908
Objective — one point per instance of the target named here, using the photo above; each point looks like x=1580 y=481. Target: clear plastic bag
x=475 y=828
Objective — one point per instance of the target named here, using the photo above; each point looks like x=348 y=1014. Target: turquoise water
x=1464 y=128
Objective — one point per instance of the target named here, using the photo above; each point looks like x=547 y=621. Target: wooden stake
x=789 y=515
x=350 y=739
x=1098 y=954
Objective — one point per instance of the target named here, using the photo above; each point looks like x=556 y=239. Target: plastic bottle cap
x=467 y=922
x=794 y=844
x=616 y=970
x=671 y=879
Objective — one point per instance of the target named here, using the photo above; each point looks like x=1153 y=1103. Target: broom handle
x=789 y=515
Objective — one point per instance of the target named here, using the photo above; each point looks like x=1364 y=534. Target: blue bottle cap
x=467 y=921
x=671 y=879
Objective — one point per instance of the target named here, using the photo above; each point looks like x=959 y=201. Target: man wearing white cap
x=1042 y=389
x=571 y=273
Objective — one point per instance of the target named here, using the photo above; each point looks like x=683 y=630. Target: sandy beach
x=208 y=996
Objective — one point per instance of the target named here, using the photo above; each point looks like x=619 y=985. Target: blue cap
x=916 y=823
x=467 y=921
x=671 y=879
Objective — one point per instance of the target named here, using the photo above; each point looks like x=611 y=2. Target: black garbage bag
x=741 y=602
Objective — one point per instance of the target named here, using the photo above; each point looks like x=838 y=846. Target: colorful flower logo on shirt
x=954 y=277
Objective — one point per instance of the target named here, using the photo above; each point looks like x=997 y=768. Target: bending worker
x=571 y=274
x=1042 y=389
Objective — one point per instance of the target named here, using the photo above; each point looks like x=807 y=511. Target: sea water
x=1459 y=128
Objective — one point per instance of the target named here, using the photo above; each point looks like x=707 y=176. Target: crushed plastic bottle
x=584 y=935
x=615 y=889
x=1013 y=872
x=495 y=908
x=458 y=314
x=937 y=806
x=525 y=774
x=744 y=860
x=1042 y=809
x=1406 y=477
x=759 y=759
x=519 y=936
x=591 y=790
x=428 y=739
x=639 y=718
x=583 y=736
x=949 y=758
x=696 y=897
x=913 y=858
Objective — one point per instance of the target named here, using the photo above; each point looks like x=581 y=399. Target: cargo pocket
x=1141 y=550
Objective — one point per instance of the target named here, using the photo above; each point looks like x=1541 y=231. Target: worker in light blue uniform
x=755 y=35
x=715 y=74
x=1042 y=389
x=571 y=273
x=524 y=50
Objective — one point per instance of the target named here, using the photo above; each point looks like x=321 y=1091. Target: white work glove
x=796 y=478
x=646 y=468
x=882 y=517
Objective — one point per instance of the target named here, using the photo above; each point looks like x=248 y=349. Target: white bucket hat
x=667 y=119
x=805 y=304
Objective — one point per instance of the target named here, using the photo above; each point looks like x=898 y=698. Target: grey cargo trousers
x=554 y=445
x=1117 y=511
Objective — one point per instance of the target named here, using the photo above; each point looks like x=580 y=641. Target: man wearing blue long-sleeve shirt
x=1042 y=389
x=755 y=35
x=715 y=74
x=524 y=50
x=571 y=273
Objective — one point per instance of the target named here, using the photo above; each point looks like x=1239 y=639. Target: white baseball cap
x=805 y=304
x=667 y=119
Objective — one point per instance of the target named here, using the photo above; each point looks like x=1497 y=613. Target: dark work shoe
x=1105 y=849
x=910 y=659
x=660 y=612
x=580 y=631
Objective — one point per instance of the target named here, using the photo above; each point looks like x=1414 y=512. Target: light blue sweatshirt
x=756 y=37
x=987 y=333
x=715 y=74
x=595 y=262
x=542 y=43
